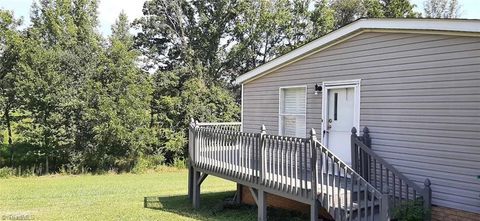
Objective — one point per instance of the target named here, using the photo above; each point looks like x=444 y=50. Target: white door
x=340 y=120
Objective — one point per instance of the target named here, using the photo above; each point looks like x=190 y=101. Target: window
x=293 y=111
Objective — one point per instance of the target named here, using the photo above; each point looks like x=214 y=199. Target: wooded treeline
x=71 y=98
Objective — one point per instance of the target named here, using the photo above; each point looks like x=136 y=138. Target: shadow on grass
x=213 y=206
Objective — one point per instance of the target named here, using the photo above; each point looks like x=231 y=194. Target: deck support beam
x=196 y=189
x=259 y=196
x=262 y=206
x=238 y=194
x=314 y=210
x=203 y=176
x=196 y=183
x=190 y=182
x=254 y=194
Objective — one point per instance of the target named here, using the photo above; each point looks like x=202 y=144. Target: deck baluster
x=313 y=168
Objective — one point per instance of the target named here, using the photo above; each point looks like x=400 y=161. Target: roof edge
x=444 y=25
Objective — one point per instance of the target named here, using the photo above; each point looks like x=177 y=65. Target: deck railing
x=384 y=177
x=298 y=168
x=229 y=126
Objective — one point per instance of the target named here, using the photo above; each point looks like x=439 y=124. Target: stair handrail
x=397 y=173
x=324 y=149
x=384 y=199
x=360 y=143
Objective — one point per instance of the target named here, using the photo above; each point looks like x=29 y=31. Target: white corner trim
x=446 y=26
x=241 y=111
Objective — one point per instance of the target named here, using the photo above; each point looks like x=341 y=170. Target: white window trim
x=327 y=85
x=280 y=104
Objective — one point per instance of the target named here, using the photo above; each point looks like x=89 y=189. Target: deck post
x=262 y=205
x=367 y=161
x=314 y=210
x=190 y=180
x=367 y=140
x=427 y=200
x=354 y=153
x=196 y=189
x=191 y=140
x=238 y=194
x=262 y=154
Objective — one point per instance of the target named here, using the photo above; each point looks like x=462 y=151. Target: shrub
x=180 y=163
x=76 y=164
x=409 y=211
x=148 y=163
x=7 y=172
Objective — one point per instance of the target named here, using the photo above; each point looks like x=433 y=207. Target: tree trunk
x=9 y=131
x=46 y=164
x=9 y=127
x=46 y=140
x=152 y=113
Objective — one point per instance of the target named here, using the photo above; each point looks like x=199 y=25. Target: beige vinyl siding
x=420 y=97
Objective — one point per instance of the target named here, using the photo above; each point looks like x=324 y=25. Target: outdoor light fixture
x=318 y=89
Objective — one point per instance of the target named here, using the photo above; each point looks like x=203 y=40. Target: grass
x=116 y=197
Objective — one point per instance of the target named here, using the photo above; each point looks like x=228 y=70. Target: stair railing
x=344 y=193
x=384 y=177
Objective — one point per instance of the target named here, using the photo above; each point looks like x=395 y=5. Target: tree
x=347 y=11
x=442 y=8
x=189 y=41
x=322 y=18
x=46 y=97
x=264 y=30
x=117 y=105
x=398 y=9
x=189 y=32
x=63 y=50
x=10 y=51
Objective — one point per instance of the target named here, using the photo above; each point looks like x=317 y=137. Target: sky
x=109 y=10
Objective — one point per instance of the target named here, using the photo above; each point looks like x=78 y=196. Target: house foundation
x=448 y=214
x=279 y=202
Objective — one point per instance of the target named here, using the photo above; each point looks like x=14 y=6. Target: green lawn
x=116 y=197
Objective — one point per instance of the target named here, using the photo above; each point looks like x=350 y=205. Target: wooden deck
x=296 y=168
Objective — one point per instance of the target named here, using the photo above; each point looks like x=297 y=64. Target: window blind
x=292 y=112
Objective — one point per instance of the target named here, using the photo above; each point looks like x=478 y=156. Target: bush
x=148 y=163
x=180 y=164
x=76 y=164
x=28 y=172
x=409 y=211
x=7 y=172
